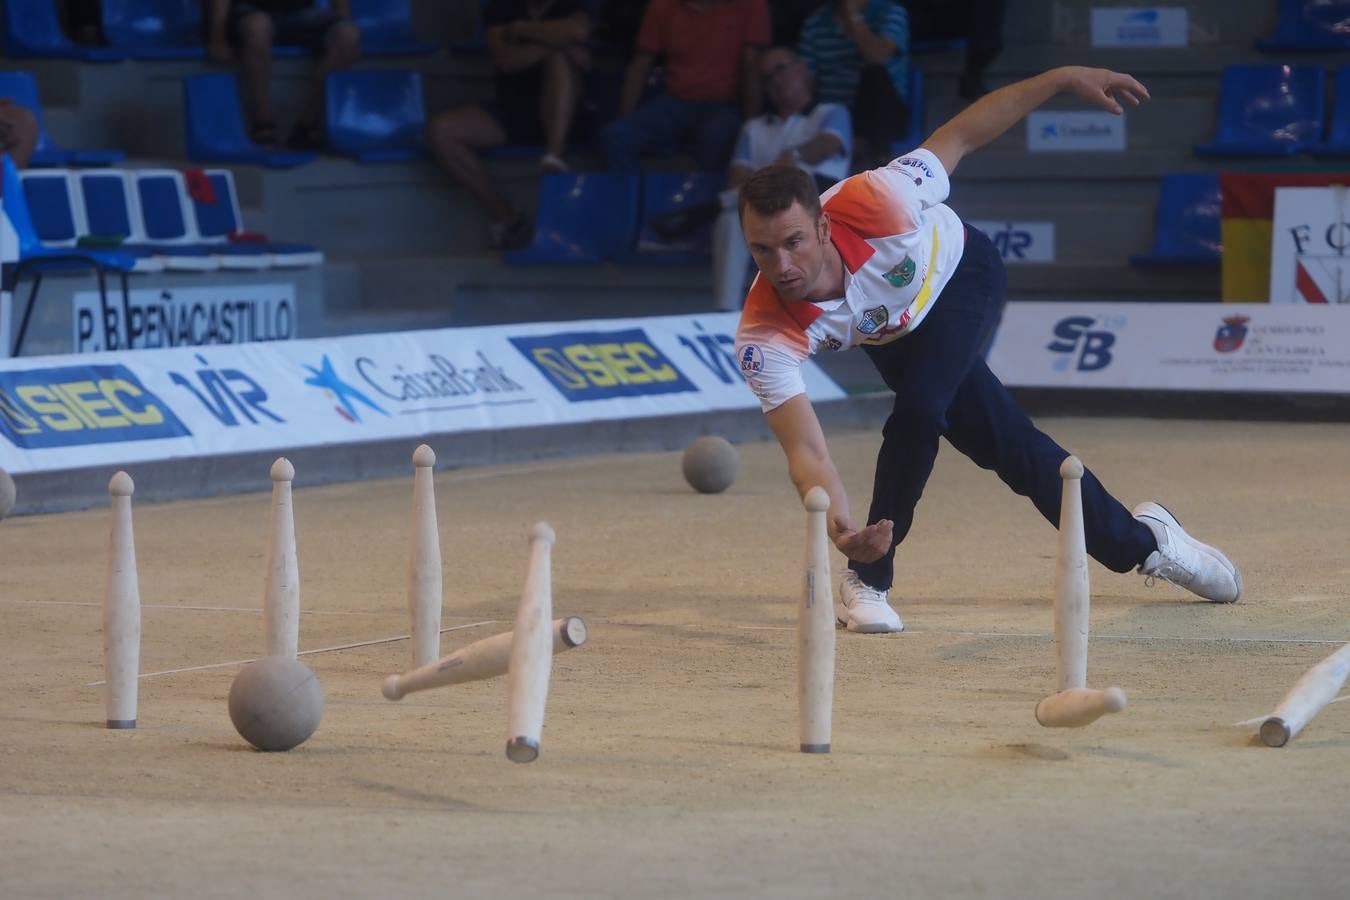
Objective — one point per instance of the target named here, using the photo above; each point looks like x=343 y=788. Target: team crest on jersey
x=902 y=274
x=833 y=343
x=752 y=360
x=874 y=319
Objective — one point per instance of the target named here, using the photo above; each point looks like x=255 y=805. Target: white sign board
x=113 y=408
x=1021 y=242
x=1050 y=131
x=1310 y=246
x=1175 y=346
x=186 y=317
x=1139 y=26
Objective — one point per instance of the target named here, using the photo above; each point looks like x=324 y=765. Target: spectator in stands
x=18 y=132
x=980 y=22
x=710 y=49
x=788 y=18
x=817 y=137
x=250 y=28
x=539 y=52
x=859 y=52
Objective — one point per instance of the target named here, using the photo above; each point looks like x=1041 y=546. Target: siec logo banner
x=599 y=365
x=79 y=405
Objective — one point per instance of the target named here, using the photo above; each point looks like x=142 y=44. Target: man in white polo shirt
x=817 y=137
x=881 y=262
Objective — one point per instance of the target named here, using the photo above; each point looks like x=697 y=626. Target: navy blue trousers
x=944 y=389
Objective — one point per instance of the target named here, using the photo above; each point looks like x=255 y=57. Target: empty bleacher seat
x=1338 y=133
x=1267 y=111
x=103 y=211
x=583 y=218
x=376 y=116
x=22 y=89
x=214 y=126
x=36 y=259
x=914 y=134
x=154 y=29
x=1186 y=227
x=386 y=28
x=1310 y=25
x=161 y=201
x=33 y=30
x=667 y=199
x=218 y=222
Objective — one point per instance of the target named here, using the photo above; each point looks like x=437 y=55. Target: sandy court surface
x=669 y=764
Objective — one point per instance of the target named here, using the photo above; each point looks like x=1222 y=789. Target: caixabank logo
x=600 y=365
x=76 y=405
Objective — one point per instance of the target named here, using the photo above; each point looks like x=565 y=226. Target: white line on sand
x=240 y=662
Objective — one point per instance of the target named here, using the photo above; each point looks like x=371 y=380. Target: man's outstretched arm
x=809 y=465
x=996 y=112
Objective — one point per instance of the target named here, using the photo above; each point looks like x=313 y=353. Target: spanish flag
x=1248 y=210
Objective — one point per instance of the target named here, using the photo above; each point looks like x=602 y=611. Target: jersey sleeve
x=918 y=177
x=770 y=348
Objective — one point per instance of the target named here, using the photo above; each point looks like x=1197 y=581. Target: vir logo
x=1084 y=343
x=225 y=391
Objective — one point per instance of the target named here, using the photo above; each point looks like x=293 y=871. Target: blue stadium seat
x=914 y=135
x=154 y=29
x=37 y=259
x=386 y=28
x=50 y=207
x=582 y=218
x=670 y=193
x=376 y=116
x=33 y=30
x=217 y=221
x=1310 y=25
x=214 y=124
x=1186 y=227
x=22 y=89
x=105 y=214
x=1267 y=111
x=1338 y=134
x=161 y=201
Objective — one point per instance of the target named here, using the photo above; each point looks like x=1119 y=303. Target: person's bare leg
x=255 y=53
x=343 y=50
x=558 y=101
x=454 y=137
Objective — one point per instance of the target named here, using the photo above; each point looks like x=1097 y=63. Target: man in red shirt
x=710 y=49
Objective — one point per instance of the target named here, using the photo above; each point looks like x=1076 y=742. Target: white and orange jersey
x=899 y=244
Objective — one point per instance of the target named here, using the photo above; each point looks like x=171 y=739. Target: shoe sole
x=1168 y=519
x=849 y=625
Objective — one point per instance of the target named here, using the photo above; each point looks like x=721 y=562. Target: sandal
x=263 y=133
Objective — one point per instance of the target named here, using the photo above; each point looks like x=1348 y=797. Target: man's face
x=788 y=247
x=787 y=82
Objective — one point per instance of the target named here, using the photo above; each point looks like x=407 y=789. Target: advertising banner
x=1175 y=346
x=111 y=408
x=1311 y=234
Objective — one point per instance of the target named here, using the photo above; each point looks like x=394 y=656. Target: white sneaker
x=864 y=609
x=1185 y=562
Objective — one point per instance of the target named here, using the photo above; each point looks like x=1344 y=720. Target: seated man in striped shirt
x=859 y=52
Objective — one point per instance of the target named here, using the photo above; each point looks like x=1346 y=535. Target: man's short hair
x=773 y=189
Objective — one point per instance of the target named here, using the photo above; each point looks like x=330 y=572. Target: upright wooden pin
x=1318 y=687
x=487 y=658
x=531 y=652
x=815 y=631
x=281 y=599
x=424 y=562
x=1074 y=704
x=121 y=610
